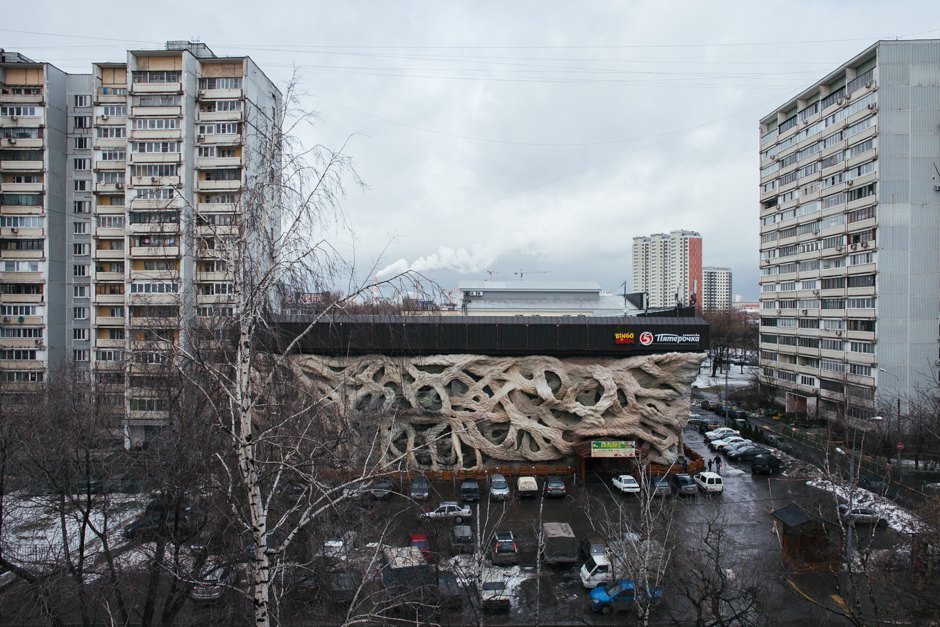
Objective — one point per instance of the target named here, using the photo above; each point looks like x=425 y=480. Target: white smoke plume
x=477 y=259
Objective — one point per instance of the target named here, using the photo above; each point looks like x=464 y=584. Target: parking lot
x=555 y=593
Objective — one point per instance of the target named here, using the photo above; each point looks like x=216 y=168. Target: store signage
x=613 y=448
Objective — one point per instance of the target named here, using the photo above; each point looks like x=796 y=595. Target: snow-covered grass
x=897 y=517
x=736 y=378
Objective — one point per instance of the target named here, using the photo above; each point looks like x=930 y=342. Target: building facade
x=849 y=224
x=668 y=267
x=123 y=197
x=539 y=298
x=716 y=289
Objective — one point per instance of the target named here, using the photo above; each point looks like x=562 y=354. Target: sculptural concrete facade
x=458 y=411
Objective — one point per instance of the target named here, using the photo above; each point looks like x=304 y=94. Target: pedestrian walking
x=718 y=464
x=685 y=465
x=710 y=462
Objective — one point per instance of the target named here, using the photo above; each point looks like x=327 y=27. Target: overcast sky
x=518 y=136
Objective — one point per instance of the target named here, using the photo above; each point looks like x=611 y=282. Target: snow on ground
x=897 y=517
x=465 y=568
x=736 y=379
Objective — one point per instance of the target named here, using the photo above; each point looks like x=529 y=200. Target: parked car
x=527 y=487
x=729 y=442
x=420 y=541
x=503 y=550
x=555 y=486
x=861 y=516
x=683 y=484
x=593 y=546
x=707 y=426
x=765 y=464
x=448 y=510
x=462 y=539
x=494 y=595
x=872 y=483
x=381 y=488
x=212 y=584
x=738 y=447
x=709 y=482
x=449 y=593
x=420 y=488
x=470 y=490
x=499 y=488
x=721 y=432
x=659 y=486
x=772 y=439
x=621 y=594
x=626 y=484
x=748 y=453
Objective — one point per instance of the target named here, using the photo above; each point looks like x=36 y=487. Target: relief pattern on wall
x=461 y=411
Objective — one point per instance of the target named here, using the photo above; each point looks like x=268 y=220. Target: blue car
x=620 y=594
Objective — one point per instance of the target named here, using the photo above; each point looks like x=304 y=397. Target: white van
x=709 y=482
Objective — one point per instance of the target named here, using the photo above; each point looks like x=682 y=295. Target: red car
x=420 y=541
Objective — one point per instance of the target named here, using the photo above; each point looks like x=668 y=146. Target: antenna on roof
x=490 y=274
x=521 y=274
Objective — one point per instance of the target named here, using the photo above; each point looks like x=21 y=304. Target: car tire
x=458 y=519
x=606 y=610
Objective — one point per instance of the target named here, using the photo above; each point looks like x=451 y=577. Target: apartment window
x=804 y=380
x=111 y=132
x=80 y=185
x=860 y=192
x=21 y=222
x=860 y=303
x=22 y=132
x=768 y=355
x=21 y=332
x=113 y=155
x=828 y=264
x=115 y=312
x=155 y=193
x=859 y=148
x=865 y=213
x=80 y=250
x=156 y=170
x=831 y=366
x=862 y=347
x=158 y=101
x=862 y=280
x=860 y=392
x=860 y=370
x=830 y=345
x=156 y=124
x=25 y=178
x=808 y=342
x=154 y=288
x=79 y=291
x=831 y=386
x=110 y=354
x=210 y=312
x=110 y=178
x=81 y=206
x=110 y=222
x=220 y=128
x=80 y=354
x=115 y=334
x=832 y=303
x=21 y=266
x=114 y=109
x=80 y=143
x=867 y=326
x=217 y=289
x=21 y=376
x=22 y=244
x=18 y=310
x=79 y=313
x=833 y=283
x=152 y=147
x=786 y=340
x=808 y=323
x=80 y=228
x=79 y=270
x=156 y=77
x=833 y=324
x=80 y=335
x=81 y=101
x=81 y=121
x=220 y=83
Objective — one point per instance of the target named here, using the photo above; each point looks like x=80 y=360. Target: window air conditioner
x=119 y=185
x=864 y=244
x=200 y=138
x=804 y=311
x=6 y=318
x=14 y=230
x=104 y=116
x=13 y=117
x=839 y=333
x=849 y=183
x=848 y=97
x=841 y=101
x=872 y=106
x=780 y=311
x=11 y=140
x=154 y=180
x=869 y=84
x=838 y=249
x=816 y=292
x=854 y=247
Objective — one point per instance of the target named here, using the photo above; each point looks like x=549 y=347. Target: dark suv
x=461 y=539
x=470 y=490
x=555 y=486
x=683 y=484
x=504 y=549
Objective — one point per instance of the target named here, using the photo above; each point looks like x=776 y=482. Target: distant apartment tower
x=716 y=289
x=849 y=224
x=668 y=267
x=122 y=196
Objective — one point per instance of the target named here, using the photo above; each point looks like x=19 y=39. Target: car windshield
x=494 y=586
x=500 y=484
x=619 y=587
x=505 y=547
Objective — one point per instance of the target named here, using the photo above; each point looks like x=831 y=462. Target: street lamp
x=899 y=444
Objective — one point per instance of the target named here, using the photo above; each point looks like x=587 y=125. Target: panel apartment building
x=850 y=233
x=716 y=289
x=119 y=191
x=668 y=267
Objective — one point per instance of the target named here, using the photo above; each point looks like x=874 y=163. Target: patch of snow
x=897 y=517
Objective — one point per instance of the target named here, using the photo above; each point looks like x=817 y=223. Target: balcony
x=156 y=157
x=21 y=187
x=21 y=209
x=155 y=251
x=218 y=186
x=109 y=188
x=150 y=228
x=162 y=181
x=20 y=299
x=109 y=232
x=218 y=162
x=153 y=299
x=211 y=229
x=109 y=254
x=219 y=116
x=215 y=299
x=36 y=99
x=176 y=203
x=33 y=255
x=25 y=320
x=22 y=142
x=109 y=299
x=172 y=110
x=113 y=210
x=110 y=166
x=214 y=276
x=220 y=94
x=108 y=343
x=164 y=134
x=107 y=143
x=103 y=98
x=154 y=275
x=21 y=166
x=109 y=321
x=36 y=343
x=109 y=276
x=216 y=207
x=22 y=277
x=220 y=139
x=156 y=88
x=14 y=232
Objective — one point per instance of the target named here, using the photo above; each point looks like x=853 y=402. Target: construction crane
x=490 y=273
x=521 y=273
